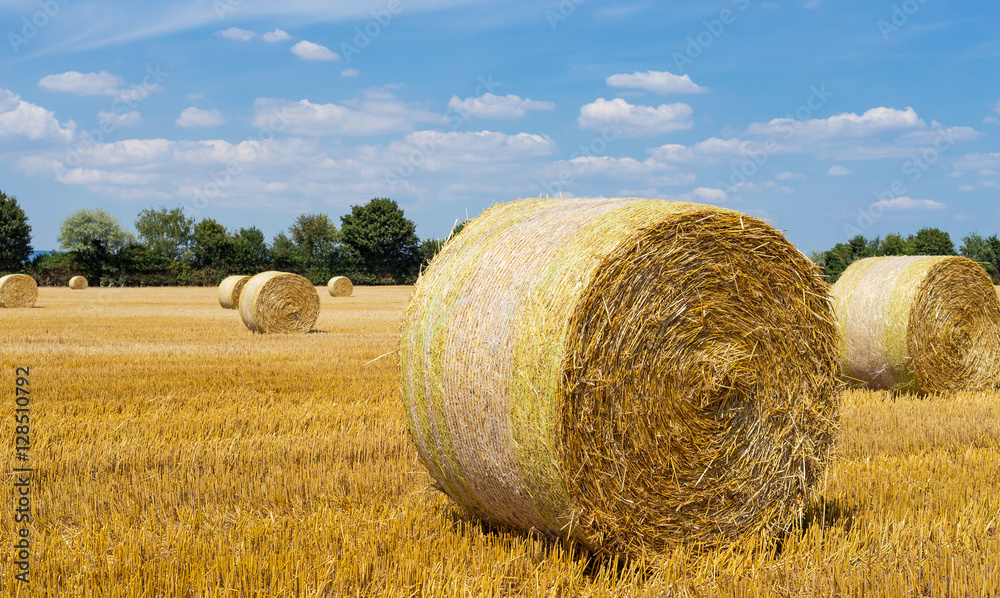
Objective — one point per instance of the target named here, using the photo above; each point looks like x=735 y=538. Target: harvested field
x=178 y=455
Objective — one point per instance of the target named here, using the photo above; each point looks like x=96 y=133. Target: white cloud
x=789 y=176
x=978 y=161
x=966 y=188
x=352 y=72
x=126 y=119
x=237 y=34
x=996 y=107
x=635 y=121
x=310 y=51
x=838 y=170
x=89 y=176
x=378 y=113
x=193 y=117
x=83 y=84
x=23 y=119
x=702 y=195
x=710 y=151
x=845 y=125
x=278 y=35
x=906 y=203
x=489 y=105
x=656 y=81
x=479 y=146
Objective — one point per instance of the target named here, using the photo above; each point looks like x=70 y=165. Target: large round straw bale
x=279 y=302
x=997 y=289
x=635 y=374
x=78 y=283
x=18 y=290
x=340 y=286
x=920 y=323
x=230 y=290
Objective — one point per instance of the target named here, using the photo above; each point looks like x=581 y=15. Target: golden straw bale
x=920 y=323
x=279 y=302
x=18 y=290
x=230 y=290
x=78 y=283
x=634 y=374
x=340 y=286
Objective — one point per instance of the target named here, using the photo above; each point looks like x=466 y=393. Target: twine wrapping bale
x=18 y=290
x=279 y=302
x=230 y=290
x=634 y=374
x=919 y=323
x=340 y=286
x=78 y=283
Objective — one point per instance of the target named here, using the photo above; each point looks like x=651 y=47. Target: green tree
x=428 y=249
x=212 y=247
x=931 y=241
x=384 y=240
x=15 y=235
x=250 y=251
x=167 y=232
x=893 y=244
x=984 y=250
x=97 y=240
x=284 y=256
x=317 y=245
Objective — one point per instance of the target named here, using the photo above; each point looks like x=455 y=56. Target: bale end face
x=230 y=290
x=18 y=291
x=340 y=286
x=279 y=302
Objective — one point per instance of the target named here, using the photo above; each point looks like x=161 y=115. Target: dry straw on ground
x=18 y=290
x=230 y=290
x=634 y=374
x=340 y=286
x=279 y=302
x=920 y=323
x=78 y=283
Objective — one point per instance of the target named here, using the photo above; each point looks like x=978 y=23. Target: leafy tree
x=893 y=244
x=284 y=256
x=250 y=251
x=97 y=240
x=316 y=241
x=15 y=235
x=167 y=232
x=212 y=246
x=384 y=240
x=986 y=251
x=931 y=241
x=428 y=249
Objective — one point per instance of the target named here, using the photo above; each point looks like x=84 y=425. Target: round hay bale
x=634 y=374
x=997 y=289
x=230 y=290
x=279 y=302
x=78 y=283
x=18 y=290
x=340 y=286
x=920 y=323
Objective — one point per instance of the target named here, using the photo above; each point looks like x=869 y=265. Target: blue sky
x=828 y=118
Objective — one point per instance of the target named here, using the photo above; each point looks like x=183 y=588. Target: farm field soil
x=178 y=454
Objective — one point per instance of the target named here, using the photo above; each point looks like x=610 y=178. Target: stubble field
x=177 y=454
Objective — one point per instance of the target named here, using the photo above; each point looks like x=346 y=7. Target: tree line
x=926 y=241
x=374 y=244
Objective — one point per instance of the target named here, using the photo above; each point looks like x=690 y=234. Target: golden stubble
x=178 y=454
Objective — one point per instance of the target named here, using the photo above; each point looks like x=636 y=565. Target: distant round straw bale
x=279 y=302
x=18 y=290
x=230 y=290
x=340 y=286
x=920 y=323
x=78 y=283
x=634 y=374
